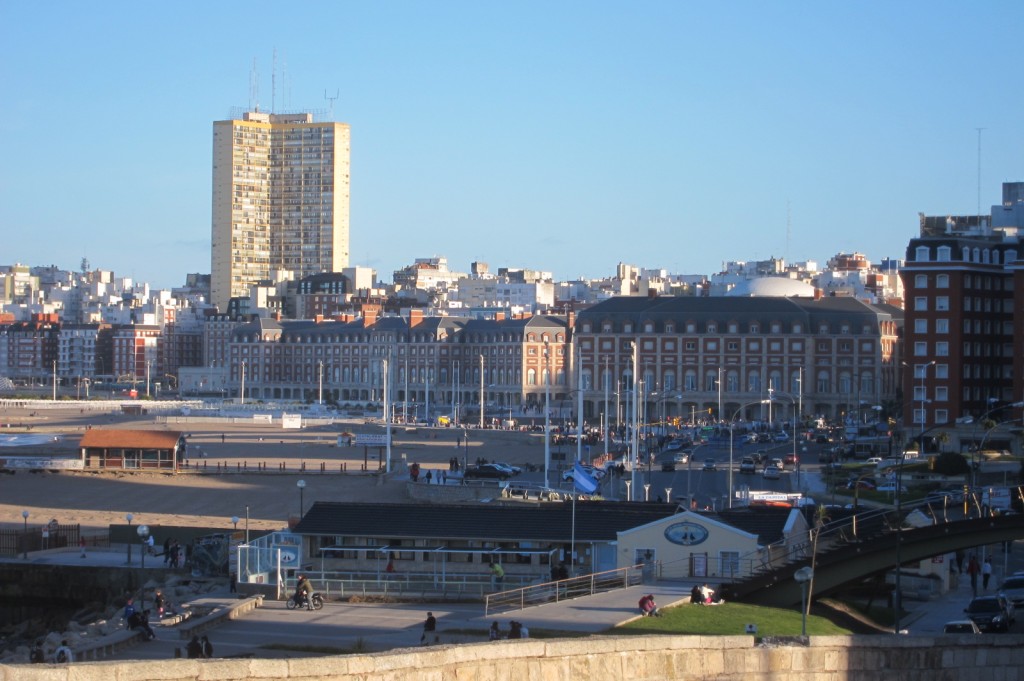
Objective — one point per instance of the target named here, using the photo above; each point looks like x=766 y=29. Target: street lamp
x=732 y=427
x=803 y=577
x=24 y=536
x=547 y=413
x=129 y=517
x=234 y=521
x=143 y=532
x=301 y=484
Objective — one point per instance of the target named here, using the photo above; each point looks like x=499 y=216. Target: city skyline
x=564 y=138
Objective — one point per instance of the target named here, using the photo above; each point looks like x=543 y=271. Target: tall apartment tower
x=280 y=200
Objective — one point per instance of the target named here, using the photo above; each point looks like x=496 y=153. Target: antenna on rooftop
x=979 y=171
x=273 y=84
x=337 y=93
x=254 y=87
x=789 y=228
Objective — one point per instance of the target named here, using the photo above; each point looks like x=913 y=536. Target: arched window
x=754 y=381
x=531 y=377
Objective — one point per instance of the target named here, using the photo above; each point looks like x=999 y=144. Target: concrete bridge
x=852 y=560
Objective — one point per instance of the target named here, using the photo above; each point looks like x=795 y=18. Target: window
x=690 y=381
x=732 y=382
x=920 y=349
x=691 y=346
x=942 y=303
x=942 y=281
x=730 y=563
x=921 y=304
x=942 y=253
x=732 y=346
x=669 y=380
x=921 y=254
x=823 y=383
x=531 y=376
x=921 y=280
x=754 y=381
x=941 y=371
x=942 y=326
x=942 y=349
x=942 y=415
x=941 y=394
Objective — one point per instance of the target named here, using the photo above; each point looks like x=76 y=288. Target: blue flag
x=583 y=481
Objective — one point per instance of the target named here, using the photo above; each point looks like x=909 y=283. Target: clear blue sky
x=565 y=136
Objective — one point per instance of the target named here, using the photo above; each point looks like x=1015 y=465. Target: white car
x=874 y=460
x=772 y=473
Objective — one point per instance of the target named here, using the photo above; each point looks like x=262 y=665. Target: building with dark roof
x=531 y=539
x=716 y=357
x=443 y=361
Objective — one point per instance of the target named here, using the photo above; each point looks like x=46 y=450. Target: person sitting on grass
x=648 y=608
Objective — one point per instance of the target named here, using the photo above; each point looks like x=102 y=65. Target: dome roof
x=774 y=287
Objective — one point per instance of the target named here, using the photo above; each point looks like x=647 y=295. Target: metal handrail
x=563 y=589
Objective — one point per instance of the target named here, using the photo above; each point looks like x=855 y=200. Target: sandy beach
x=222 y=478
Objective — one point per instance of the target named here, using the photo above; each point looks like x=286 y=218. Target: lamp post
x=803 y=577
x=481 y=392
x=547 y=413
x=320 y=384
x=24 y=536
x=129 y=517
x=732 y=427
x=234 y=521
x=301 y=484
x=143 y=532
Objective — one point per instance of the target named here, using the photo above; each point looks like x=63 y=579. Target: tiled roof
x=138 y=439
x=595 y=521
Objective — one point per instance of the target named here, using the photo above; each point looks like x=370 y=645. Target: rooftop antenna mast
x=979 y=170
x=789 y=228
x=254 y=87
x=273 y=84
x=337 y=93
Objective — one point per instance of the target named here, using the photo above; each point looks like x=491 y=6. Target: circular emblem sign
x=686 y=534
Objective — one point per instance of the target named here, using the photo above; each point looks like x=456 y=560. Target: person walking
x=986 y=572
x=429 y=627
x=207 y=647
x=973 y=569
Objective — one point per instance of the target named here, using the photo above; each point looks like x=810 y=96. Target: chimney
x=415 y=317
x=370 y=314
x=319 y=319
x=570 y=318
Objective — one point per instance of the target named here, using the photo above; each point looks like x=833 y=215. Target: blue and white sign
x=686 y=533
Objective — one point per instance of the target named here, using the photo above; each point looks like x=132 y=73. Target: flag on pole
x=583 y=481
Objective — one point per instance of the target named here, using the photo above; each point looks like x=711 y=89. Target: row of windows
x=774 y=328
x=974 y=254
x=711 y=345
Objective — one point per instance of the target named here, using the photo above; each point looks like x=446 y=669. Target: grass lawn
x=729 y=619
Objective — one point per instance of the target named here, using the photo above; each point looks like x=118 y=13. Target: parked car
x=790 y=459
x=989 y=613
x=960 y=627
x=772 y=472
x=760 y=456
x=862 y=483
x=782 y=436
x=874 y=460
x=778 y=463
x=487 y=471
x=512 y=470
x=748 y=465
x=1013 y=588
x=710 y=465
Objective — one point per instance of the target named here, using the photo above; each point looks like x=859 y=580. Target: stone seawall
x=641 y=658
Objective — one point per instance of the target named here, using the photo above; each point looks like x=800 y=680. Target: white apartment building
x=280 y=200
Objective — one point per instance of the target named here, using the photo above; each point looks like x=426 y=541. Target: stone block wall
x=637 y=658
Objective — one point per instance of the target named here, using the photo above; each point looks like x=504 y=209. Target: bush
x=951 y=463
